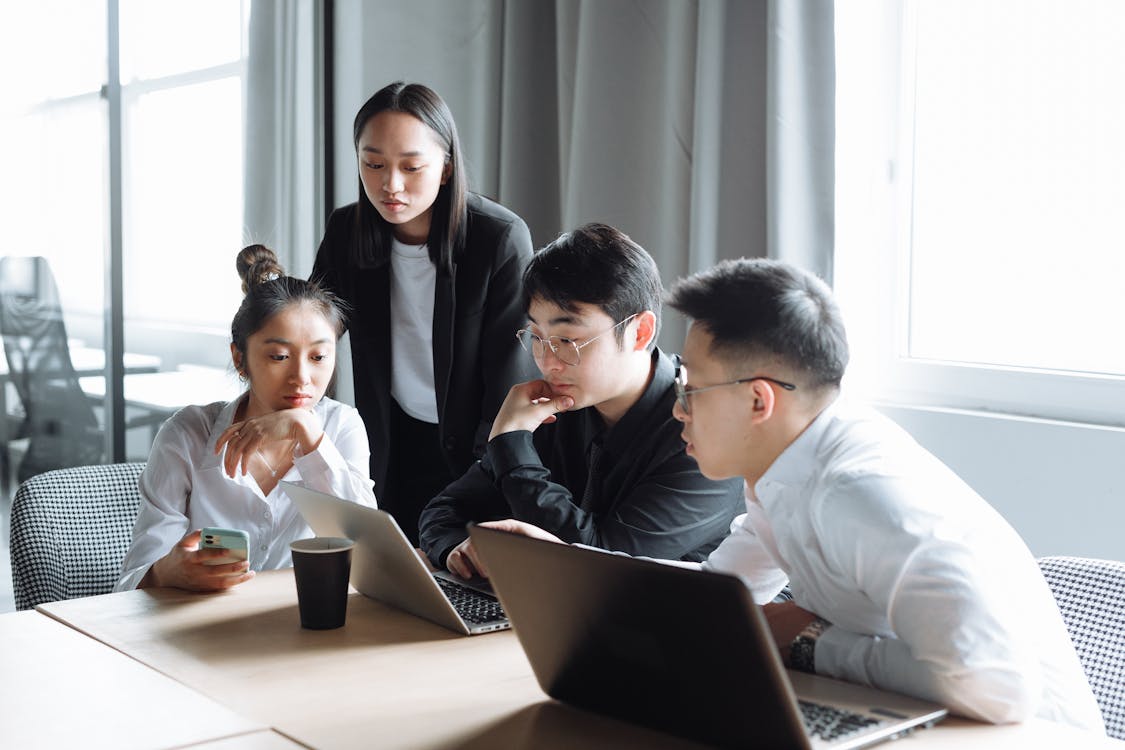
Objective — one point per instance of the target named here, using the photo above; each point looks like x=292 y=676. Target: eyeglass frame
x=555 y=349
x=682 y=393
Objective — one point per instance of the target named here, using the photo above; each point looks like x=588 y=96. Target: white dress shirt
x=184 y=487
x=929 y=591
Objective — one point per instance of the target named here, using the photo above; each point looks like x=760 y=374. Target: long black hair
x=449 y=214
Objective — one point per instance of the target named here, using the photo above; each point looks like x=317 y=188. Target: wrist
x=309 y=434
x=802 y=649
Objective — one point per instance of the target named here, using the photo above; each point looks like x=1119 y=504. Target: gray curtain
x=283 y=136
x=702 y=129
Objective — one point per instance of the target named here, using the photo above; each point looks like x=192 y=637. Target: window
x=182 y=71
x=981 y=171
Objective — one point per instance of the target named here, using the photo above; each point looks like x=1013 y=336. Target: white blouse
x=184 y=487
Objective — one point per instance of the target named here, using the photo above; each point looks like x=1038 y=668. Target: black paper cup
x=321 y=567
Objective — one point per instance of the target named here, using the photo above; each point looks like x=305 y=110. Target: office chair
x=1091 y=597
x=59 y=422
x=70 y=531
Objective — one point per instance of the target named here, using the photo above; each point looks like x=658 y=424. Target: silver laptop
x=683 y=651
x=386 y=567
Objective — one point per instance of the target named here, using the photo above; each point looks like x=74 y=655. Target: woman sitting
x=220 y=465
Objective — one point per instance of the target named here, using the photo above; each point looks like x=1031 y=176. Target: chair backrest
x=70 y=531
x=60 y=422
x=1091 y=597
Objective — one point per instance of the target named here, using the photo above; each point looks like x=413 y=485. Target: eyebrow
x=287 y=342
x=571 y=319
x=373 y=150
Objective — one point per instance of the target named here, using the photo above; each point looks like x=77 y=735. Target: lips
x=299 y=398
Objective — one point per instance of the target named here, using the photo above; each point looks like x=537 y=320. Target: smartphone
x=234 y=541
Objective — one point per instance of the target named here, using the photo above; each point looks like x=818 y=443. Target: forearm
x=441 y=525
x=328 y=470
x=997 y=690
x=530 y=492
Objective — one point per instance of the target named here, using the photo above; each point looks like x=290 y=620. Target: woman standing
x=432 y=274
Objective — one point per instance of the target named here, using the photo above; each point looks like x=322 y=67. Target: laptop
x=386 y=567
x=679 y=650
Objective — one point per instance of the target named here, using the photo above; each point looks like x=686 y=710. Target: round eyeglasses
x=567 y=350
x=683 y=392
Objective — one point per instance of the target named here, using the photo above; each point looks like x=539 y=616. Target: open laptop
x=680 y=650
x=386 y=567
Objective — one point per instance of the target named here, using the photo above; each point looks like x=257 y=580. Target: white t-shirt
x=930 y=592
x=413 y=276
x=184 y=487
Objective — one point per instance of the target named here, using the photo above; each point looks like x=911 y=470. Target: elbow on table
x=997 y=696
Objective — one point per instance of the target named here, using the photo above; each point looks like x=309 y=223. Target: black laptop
x=680 y=650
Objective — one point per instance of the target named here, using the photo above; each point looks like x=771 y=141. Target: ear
x=446 y=171
x=236 y=358
x=645 y=326
x=764 y=401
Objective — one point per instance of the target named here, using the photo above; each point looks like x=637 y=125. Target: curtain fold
x=704 y=130
x=282 y=176
x=800 y=148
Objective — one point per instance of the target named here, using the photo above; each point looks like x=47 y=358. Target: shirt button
x=264 y=547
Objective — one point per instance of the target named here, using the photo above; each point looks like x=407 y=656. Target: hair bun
x=257 y=264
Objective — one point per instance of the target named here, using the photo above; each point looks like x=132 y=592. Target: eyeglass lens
x=565 y=349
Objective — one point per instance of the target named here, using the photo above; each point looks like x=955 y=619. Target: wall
x=1060 y=484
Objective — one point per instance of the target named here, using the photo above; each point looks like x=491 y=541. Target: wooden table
x=389 y=679
x=61 y=689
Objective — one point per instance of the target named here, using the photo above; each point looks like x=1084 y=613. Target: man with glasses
x=590 y=451
x=902 y=577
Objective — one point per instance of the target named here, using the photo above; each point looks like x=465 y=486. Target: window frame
x=879 y=257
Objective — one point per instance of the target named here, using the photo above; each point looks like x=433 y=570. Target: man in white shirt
x=902 y=576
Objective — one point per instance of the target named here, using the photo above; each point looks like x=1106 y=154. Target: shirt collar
x=799 y=459
x=634 y=420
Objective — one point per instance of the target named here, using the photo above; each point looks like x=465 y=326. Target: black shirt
x=647 y=495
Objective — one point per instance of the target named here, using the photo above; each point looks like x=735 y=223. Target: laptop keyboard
x=830 y=723
x=472 y=605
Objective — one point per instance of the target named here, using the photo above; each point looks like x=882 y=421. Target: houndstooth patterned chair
x=70 y=531
x=1091 y=597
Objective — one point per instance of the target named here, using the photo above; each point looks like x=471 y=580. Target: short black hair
x=597 y=265
x=756 y=308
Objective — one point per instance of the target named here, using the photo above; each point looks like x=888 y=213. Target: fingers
x=471 y=552
x=192 y=539
x=219 y=577
x=241 y=443
x=228 y=582
x=512 y=526
x=459 y=563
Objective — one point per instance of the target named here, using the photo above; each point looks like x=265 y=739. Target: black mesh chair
x=70 y=531
x=59 y=421
x=1091 y=597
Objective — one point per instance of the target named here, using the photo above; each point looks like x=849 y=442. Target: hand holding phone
x=235 y=541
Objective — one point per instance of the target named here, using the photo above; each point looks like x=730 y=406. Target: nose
x=393 y=182
x=678 y=413
x=300 y=374
x=550 y=361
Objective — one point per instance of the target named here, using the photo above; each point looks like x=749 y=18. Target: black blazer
x=477 y=312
